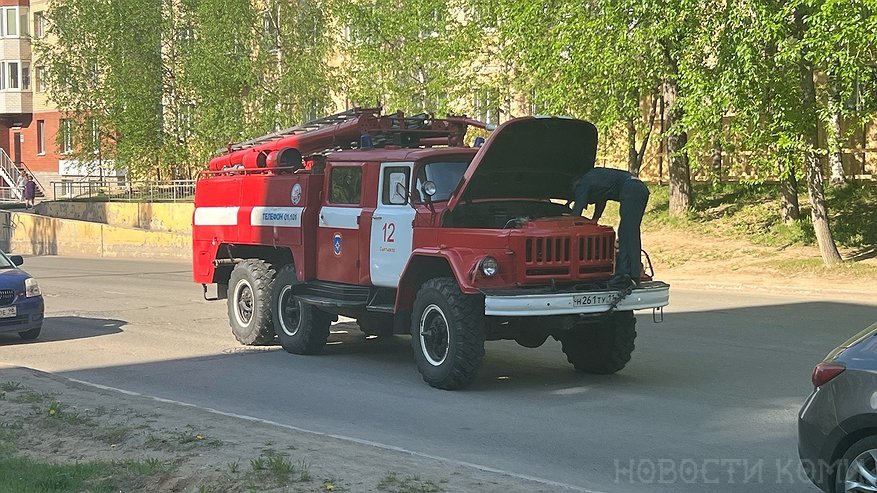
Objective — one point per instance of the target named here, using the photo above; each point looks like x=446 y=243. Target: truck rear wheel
x=601 y=348
x=447 y=334
x=249 y=303
x=301 y=328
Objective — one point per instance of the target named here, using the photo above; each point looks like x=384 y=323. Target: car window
x=345 y=185
x=5 y=263
x=445 y=175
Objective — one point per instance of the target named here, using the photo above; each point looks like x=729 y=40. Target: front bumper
x=29 y=315
x=515 y=303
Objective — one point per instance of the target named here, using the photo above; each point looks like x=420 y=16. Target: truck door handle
x=376 y=218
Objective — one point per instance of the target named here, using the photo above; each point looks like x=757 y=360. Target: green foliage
x=24 y=475
x=751 y=211
x=392 y=483
x=410 y=55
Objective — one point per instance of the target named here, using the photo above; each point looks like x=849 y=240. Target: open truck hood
x=530 y=157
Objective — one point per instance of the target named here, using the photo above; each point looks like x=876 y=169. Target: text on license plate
x=8 y=311
x=593 y=299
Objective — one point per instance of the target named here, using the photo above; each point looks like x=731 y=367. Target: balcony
x=16 y=102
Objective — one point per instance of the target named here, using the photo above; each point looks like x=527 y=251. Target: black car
x=837 y=427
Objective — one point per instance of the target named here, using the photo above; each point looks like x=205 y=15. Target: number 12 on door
x=389 y=231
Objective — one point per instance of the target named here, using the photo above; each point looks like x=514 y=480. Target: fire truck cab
x=393 y=221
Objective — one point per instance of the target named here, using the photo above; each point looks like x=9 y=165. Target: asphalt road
x=708 y=403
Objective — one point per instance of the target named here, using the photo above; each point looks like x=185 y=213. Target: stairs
x=9 y=177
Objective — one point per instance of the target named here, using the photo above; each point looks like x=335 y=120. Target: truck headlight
x=489 y=267
x=31 y=288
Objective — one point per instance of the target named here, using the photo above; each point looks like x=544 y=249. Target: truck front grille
x=568 y=257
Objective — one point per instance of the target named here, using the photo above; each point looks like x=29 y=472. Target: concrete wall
x=168 y=217
x=30 y=234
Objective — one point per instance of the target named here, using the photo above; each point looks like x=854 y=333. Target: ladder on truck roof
x=342 y=117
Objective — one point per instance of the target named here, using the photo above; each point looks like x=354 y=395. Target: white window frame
x=41 y=137
x=39 y=24
x=65 y=127
x=6 y=13
x=6 y=75
x=39 y=78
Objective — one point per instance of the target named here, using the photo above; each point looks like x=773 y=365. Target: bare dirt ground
x=57 y=420
x=693 y=260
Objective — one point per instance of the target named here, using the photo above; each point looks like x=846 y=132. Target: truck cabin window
x=445 y=174
x=345 y=185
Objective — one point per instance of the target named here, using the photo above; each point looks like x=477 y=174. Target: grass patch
x=24 y=475
x=276 y=469
x=752 y=211
x=392 y=483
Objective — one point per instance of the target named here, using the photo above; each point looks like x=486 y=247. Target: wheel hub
x=289 y=310
x=862 y=473
x=244 y=302
x=434 y=335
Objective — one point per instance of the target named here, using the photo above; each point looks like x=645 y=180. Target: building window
x=25 y=76
x=40 y=78
x=39 y=25
x=10 y=22
x=12 y=70
x=66 y=132
x=41 y=136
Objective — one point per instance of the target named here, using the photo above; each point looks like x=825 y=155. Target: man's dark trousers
x=634 y=196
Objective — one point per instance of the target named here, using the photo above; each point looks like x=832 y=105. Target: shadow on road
x=68 y=328
x=704 y=386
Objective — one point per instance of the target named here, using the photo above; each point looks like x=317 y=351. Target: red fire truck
x=393 y=221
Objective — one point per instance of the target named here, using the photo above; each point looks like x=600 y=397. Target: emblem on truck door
x=296 y=194
x=336 y=243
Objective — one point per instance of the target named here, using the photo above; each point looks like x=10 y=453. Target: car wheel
x=29 y=335
x=249 y=302
x=301 y=328
x=857 y=469
x=601 y=348
x=447 y=334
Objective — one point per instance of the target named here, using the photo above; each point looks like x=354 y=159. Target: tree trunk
x=680 y=177
x=835 y=155
x=716 y=161
x=632 y=165
x=791 y=210
x=815 y=188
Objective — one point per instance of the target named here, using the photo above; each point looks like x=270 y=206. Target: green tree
x=409 y=54
x=107 y=81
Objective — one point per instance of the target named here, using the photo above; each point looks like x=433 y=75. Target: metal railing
x=9 y=175
x=122 y=190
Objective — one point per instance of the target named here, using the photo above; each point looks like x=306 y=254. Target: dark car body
x=841 y=411
x=21 y=303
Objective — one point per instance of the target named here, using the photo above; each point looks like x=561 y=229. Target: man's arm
x=599 y=207
x=581 y=202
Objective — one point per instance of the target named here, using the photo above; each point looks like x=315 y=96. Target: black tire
x=601 y=348
x=249 y=302
x=301 y=328
x=29 y=335
x=859 y=451
x=447 y=334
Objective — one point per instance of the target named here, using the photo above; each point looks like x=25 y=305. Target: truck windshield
x=445 y=174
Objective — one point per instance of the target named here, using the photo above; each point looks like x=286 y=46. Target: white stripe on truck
x=216 y=216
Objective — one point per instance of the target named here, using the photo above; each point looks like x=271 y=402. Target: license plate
x=593 y=299
x=7 y=312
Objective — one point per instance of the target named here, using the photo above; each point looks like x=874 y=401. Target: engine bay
x=505 y=214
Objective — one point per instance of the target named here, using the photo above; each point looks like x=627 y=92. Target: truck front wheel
x=601 y=348
x=249 y=303
x=447 y=334
x=301 y=328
